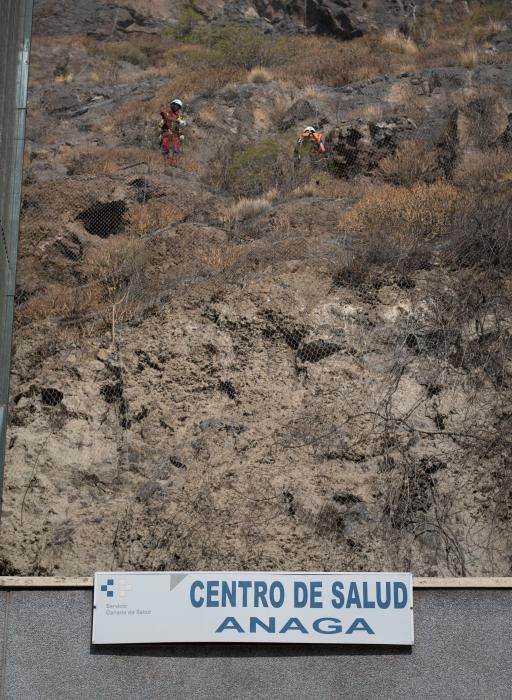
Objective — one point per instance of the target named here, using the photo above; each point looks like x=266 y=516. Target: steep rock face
x=344 y=19
x=321 y=16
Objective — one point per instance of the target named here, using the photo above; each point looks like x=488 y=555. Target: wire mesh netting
x=245 y=358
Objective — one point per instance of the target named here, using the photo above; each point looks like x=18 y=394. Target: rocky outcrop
x=482 y=122
x=357 y=146
x=320 y=16
x=300 y=111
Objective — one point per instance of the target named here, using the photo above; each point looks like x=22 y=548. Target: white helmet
x=177 y=102
x=309 y=129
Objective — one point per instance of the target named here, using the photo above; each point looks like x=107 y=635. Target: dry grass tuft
x=470 y=57
x=321 y=60
x=484 y=169
x=396 y=42
x=93 y=162
x=248 y=207
x=423 y=211
x=117 y=265
x=260 y=75
x=145 y=218
x=61 y=303
x=220 y=256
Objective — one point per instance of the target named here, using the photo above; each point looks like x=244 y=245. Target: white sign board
x=217 y=606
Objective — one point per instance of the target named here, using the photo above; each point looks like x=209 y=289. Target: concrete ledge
x=46 y=582
x=16 y=582
x=467 y=583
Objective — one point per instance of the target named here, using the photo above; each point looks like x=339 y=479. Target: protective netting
x=246 y=360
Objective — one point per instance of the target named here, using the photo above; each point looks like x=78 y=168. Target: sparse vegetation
x=470 y=57
x=116 y=264
x=481 y=236
x=255 y=168
x=396 y=42
x=246 y=208
x=421 y=211
x=127 y=52
x=221 y=257
x=149 y=217
x=412 y=162
x=490 y=12
x=485 y=170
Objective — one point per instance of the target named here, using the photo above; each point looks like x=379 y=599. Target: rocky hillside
x=344 y=19
x=240 y=363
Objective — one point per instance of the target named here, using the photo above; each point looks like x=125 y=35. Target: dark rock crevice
x=104 y=219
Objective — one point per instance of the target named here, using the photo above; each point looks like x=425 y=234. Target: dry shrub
x=132 y=109
x=440 y=53
x=106 y=71
x=210 y=57
x=380 y=262
x=481 y=236
x=127 y=51
x=188 y=163
x=484 y=170
x=117 y=264
x=93 y=162
x=90 y=160
x=243 y=47
x=329 y=186
x=62 y=303
x=197 y=70
x=145 y=218
x=259 y=75
x=220 y=256
x=470 y=57
x=203 y=80
x=413 y=161
x=421 y=211
x=489 y=14
x=396 y=42
x=250 y=170
x=247 y=207
x=321 y=60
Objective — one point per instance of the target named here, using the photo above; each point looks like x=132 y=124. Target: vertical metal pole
x=15 y=38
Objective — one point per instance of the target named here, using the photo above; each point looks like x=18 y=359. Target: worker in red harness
x=311 y=143
x=171 y=129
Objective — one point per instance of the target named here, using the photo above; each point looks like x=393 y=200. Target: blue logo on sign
x=108 y=588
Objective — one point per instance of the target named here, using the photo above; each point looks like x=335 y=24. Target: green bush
x=240 y=46
x=243 y=47
x=252 y=169
x=188 y=19
x=492 y=12
x=129 y=53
